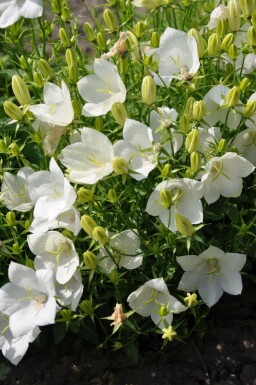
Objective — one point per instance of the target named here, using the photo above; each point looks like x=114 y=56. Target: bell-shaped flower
x=244 y=64
x=15 y=192
x=176 y=196
x=123 y=250
x=57 y=108
x=219 y=13
x=177 y=57
x=245 y=142
x=12 y=10
x=14 y=348
x=137 y=149
x=217 y=109
x=208 y=138
x=90 y=160
x=54 y=252
x=102 y=89
x=28 y=299
x=153 y=299
x=50 y=135
x=223 y=176
x=164 y=135
x=211 y=273
x=70 y=293
x=51 y=192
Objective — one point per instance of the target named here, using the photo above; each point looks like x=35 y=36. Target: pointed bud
x=109 y=20
x=101 y=41
x=64 y=37
x=227 y=41
x=38 y=79
x=244 y=84
x=192 y=141
x=88 y=224
x=120 y=166
x=166 y=171
x=199 y=110
x=65 y=14
x=14 y=149
x=234 y=12
x=249 y=109
x=213 y=45
x=148 y=90
x=184 y=124
x=90 y=260
x=189 y=107
x=98 y=123
x=184 y=226
x=45 y=69
x=233 y=96
x=199 y=41
x=20 y=90
x=139 y=27
x=85 y=195
x=112 y=197
x=221 y=146
x=23 y=62
x=155 y=39
x=119 y=113
x=77 y=107
x=246 y=7
x=195 y=161
x=89 y=31
x=70 y=56
x=86 y=307
x=251 y=36
x=73 y=73
x=99 y=233
x=232 y=53
x=10 y=218
x=13 y=111
x=222 y=27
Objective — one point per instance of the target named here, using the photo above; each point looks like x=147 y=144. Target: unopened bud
x=120 y=166
x=189 y=107
x=166 y=171
x=251 y=36
x=232 y=52
x=98 y=123
x=139 y=27
x=99 y=233
x=65 y=14
x=227 y=41
x=192 y=141
x=38 y=79
x=190 y=300
x=253 y=18
x=10 y=218
x=90 y=260
x=109 y=20
x=247 y=7
x=85 y=195
x=113 y=276
x=221 y=146
x=64 y=37
x=88 y=224
x=244 y=84
x=3 y=146
x=148 y=90
x=112 y=197
x=184 y=124
x=233 y=96
x=234 y=12
x=20 y=90
x=155 y=39
x=184 y=226
x=199 y=110
x=23 y=62
x=45 y=69
x=249 y=109
x=213 y=45
x=77 y=107
x=12 y=111
x=89 y=31
x=199 y=41
x=195 y=161
x=73 y=73
x=221 y=27
x=86 y=307
x=56 y=6
x=70 y=56
x=14 y=149
x=101 y=41
x=119 y=113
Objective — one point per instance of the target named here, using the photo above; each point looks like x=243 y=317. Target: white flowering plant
x=128 y=154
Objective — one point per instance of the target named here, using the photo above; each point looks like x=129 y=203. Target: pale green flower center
x=213 y=267
x=171 y=197
x=250 y=138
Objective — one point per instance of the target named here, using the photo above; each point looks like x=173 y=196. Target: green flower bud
x=38 y=79
x=112 y=2
x=166 y=171
x=249 y=109
x=184 y=124
x=70 y=56
x=66 y=315
x=227 y=41
x=113 y=276
x=189 y=107
x=244 y=84
x=77 y=107
x=184 y=226
x=195 y=161
x=155 y=39
x=99 y=233
x=89 y=31
x=86 y=307
x=166 y=198
x=101 y=41
x=64 y=37
x=16 y=248
x=251 y=36
x=13 y=111
x=119 y=113
x=45 y=69
x=222 y=27
x=123 y=65
x=85 y=195
x=65 y=14
x=199 y=41
x=234 y=12
x=221 y=146
x=27 y=224
x=98 y=123
x=253 y=19
x=10 y=218
x=247 y=6
x=109 y=20
x=88 y=224
x=112 y=197
x=120 y=166
x=139 y=27
x=232 y=52
x=213 y=45
x=148 y=90
x=233 y=96
x=73 y=73
x=3 y=147
x=23 y=62
x=56 y=6
x=14 y=149
x=20 y=90
x=192 y=141
x=90 y=260
x=199 y=110
x=190 y=300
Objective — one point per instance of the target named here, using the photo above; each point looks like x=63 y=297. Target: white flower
x=224 y=176
x=14 y=348
x=54 y=252
x=163 y=133
x=219 y=13
x=101 y=90
x=137 y=149
x=124 y=250
x=13 y=10
x=70 y=293
x=245 y=64
x=58 y=109
x=91 y=160
x=216 y=109
x=28 y=299
x=148 y=299
x=50 y=134
x=176 y=196
x=211 y=273
x=177 y=57
x=208 y=139
x=245 y=142
x=251 y=122
x=149 y=4
x=15 y=191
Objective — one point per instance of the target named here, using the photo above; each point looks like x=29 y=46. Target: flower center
x=40 y=300
x=171 y=197
x=213 y=267
x=250 y=138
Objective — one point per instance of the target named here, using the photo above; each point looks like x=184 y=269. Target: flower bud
x=56 y=6
x=184 y=226
x=253 y=19
x=184 y=124
x=112 y=197
x=98 y=123
x=16 y=248
x=166 y=198
x=190 y=300
x=249 y=109
x=85 y=195
x=233 y=96
x=227 y=41
x=64 y=37
x=195 y=161
x=10 y=218
x=101 y=41
x=244 y=84
x=12 y=111
x=189 y=107
x=166 y=171
x=113 y=276
x=23 y=62
x=234 y=15
x=251 y=36
x=20 y=90
x=3 y=147
x=86 y=307
x=90 y=260
x=213 y=45
x=89 y=31
x=221 y=146
x=65 y=14
x=155 y=39
x=109 y=20
x=73 y=73
x=199 y=110
x=120 y=166
x=88 y=224
x=246 y=7
x=221 y=27
x=119 y=113
x=199 y=41
x=45 y=69
x=99 y=233
x=192 y=141
x=77 y=107
x=14 y=149
x=232 y=52
x=139 y=27
x=70 y=56
x=38 y=79
x=148 y=90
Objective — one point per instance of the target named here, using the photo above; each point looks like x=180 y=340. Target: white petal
x=32 y=9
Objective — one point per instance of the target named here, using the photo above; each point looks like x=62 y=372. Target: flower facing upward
x=12 y=10
x=211 y=273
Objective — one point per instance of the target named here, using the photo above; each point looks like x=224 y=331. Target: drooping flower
x=28 y=299
x=245 y=142
x=211 y=273
x=102 y=89
x=153 y=299
x=90 y=160
x=223 y=176
x=177 y=57
x=174 y=196
x=54 y=252
x=12 y=10
x=58 y=109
